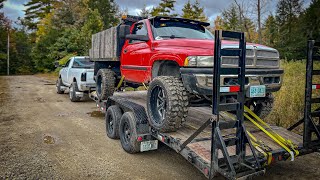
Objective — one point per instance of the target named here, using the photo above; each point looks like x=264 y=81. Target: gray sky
x=14 y=8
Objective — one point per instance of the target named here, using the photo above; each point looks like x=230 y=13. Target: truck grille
x=255 y=58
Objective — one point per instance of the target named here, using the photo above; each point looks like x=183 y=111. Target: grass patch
x=289 y=101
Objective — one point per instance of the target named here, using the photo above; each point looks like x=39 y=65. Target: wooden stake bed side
x=198 y=115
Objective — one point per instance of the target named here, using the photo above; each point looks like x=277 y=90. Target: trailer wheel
x=105 y=83
x=58 y=86
x=72 y=92
x=167 y=103
x=128 y=133
x=113 y=116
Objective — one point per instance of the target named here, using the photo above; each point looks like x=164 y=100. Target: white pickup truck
x=77 y=75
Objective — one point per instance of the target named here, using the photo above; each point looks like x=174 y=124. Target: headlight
x=199 y=61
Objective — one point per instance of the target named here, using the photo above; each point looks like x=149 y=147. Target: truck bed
x=198 y=115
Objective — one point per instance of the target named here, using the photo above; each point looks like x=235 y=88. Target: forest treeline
x=55 y=29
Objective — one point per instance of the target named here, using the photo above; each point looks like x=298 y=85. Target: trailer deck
x=198 y=151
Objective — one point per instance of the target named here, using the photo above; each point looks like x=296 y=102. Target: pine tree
x=194 y=11
x=107 y=9
x=199 y=12
x=187 y=11
x=270 y=31
x=165 y=8
x=144 y=12
x=36 y=10
x=218 y=23
x=1 y=3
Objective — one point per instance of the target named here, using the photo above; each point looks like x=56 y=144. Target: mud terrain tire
x=167 y=103
x=105 y=83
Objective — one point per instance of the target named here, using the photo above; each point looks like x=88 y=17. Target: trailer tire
x=128 y=133
x=72 y=92
x=167 y=103
x=58 y=86
x=105 y=83
x=113 y=116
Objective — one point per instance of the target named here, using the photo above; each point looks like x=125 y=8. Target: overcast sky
x=14 y=8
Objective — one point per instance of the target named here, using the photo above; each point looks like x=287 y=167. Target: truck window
x=139 y=29
x=81 y=62
x=164 y=29
x=68 y=62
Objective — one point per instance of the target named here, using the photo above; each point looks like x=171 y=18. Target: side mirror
x=124 y=30
x=63 y=66
x=56 y=64
x=137 y=37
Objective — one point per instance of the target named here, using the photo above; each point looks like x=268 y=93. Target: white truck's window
x=80 y=62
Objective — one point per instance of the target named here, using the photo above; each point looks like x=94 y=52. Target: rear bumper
x=87 y=86
x=199 y=80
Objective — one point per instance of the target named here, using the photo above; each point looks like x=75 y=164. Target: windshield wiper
x=172 y=37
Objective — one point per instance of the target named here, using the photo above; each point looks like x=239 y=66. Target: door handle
x=125 y=51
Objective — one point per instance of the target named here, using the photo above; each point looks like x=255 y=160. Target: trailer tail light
x=315 y=86
x=139 y=139
x=227 y=89
x=83 y=76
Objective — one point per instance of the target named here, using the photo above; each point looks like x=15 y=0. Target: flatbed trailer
x=213 y=140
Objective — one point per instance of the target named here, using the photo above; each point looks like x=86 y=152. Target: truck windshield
x=176 y=29
x=81 y=62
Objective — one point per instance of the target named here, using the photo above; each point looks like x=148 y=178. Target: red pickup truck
x=175 y=57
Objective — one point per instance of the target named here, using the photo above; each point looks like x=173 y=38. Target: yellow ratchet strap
x=259 y=145
x=284 y=143
x=144 y=85
x=120 y=82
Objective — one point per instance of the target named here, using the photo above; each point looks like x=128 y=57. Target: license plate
x=257 y=91
x=148 y=145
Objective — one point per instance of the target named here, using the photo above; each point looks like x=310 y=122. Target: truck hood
x=189 y=44
x=257 y=55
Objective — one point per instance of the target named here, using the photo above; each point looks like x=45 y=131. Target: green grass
x=289 y=101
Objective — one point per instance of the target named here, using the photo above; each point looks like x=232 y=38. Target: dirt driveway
x=44 y=135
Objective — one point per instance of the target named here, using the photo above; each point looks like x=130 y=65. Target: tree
x=36 y=10
x=187 y=10
x=287 y=17
x=218 y=23
x=194 y=11
x=199 y=12
x=107 y=10
x=164 y=8
x=144 y=12
x=270 y=31
x=1 y=3
x=311 y=20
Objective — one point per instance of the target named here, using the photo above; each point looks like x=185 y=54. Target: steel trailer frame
x=238 y=165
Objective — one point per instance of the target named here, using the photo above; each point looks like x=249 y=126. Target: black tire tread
x=134 y=145
x=59 y=84
x=114 y=111
x=74 y=97
x=108 y=83
x=178 y=99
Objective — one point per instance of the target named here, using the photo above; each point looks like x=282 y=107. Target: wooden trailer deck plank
x=198 y=115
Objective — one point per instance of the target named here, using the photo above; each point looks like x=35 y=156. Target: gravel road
x=45 y=136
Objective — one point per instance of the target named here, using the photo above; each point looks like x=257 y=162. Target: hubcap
x=161 y=104
x=127 y=132
x=158 y=104
x=110 y=128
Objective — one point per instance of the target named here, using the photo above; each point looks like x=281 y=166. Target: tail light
x=83 y=76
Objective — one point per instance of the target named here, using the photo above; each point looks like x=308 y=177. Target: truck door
x=133 y=54
x=70 y=71
x=64 y=73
